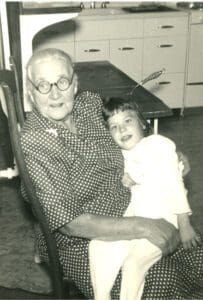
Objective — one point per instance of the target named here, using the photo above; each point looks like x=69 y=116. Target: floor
x=187 y=132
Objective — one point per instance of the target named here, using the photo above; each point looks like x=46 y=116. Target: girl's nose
x=122 y=128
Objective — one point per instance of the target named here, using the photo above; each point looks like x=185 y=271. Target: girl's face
x=56 y=105
x=125 y=128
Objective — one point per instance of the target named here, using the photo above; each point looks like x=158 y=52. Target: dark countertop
x=104 y=78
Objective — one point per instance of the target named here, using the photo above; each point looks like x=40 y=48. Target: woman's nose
x=54 y=93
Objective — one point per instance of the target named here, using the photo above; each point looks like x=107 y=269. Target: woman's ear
x=75 y=88
x=31 y=96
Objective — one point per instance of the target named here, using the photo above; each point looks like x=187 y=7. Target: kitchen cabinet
x=165 y=46
x=137 y=44
x=169 y=87
x=91 y=50
x=116 y=40
x=194 y=87
x=127 y=56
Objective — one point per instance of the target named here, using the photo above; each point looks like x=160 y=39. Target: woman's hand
x=163 y=234
x=158 y=231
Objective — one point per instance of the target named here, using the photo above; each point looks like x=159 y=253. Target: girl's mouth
x=125 y=138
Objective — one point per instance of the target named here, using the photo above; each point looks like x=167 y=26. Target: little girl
x=153 y=173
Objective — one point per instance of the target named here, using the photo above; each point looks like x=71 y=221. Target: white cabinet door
x=194 y=95
x=195 y=64
x=194 y=89
x=164 y=52
x=127 y=56
x=169 y=88
x=91 y=50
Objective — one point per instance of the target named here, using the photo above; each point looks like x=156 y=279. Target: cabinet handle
x=92 y=50
x=165 y=27
x=165 y=46
x=126 y=48
x=195 y=83
x=164 y=82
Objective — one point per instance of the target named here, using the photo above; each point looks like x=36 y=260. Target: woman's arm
x=161 y=233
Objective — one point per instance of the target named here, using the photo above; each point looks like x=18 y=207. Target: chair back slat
x=18 y=99
x=7 y=82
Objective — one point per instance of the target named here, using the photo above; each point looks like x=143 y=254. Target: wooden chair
x=16 y=118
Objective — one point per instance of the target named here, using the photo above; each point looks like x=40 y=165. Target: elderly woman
x=77 y=171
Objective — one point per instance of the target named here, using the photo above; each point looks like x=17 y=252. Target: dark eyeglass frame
x=51 y=84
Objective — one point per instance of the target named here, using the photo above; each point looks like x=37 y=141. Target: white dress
x=159 y=192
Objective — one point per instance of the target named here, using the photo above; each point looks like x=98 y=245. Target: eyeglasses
x=44 y=87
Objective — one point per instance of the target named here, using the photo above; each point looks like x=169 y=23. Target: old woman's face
x=57 y=104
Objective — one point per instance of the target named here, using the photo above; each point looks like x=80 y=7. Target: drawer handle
x=163 y=82
x=195 y=83
x=126 y=48
x=165 y=26
x=165 y=46
x=92 y=50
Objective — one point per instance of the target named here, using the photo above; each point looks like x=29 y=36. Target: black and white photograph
x=101 y=150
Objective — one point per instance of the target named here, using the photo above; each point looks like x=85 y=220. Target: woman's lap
x=178 y=276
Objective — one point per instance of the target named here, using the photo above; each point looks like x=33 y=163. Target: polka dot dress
x=74 y=174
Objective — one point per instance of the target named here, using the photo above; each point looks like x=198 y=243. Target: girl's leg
x=106 y=259
x=142 y=256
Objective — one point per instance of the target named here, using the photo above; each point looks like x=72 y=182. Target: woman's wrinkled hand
x=163 y=234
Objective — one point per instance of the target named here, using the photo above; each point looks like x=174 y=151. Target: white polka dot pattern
x=74 y=174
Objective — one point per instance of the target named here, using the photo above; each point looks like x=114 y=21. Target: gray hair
x=47 y=53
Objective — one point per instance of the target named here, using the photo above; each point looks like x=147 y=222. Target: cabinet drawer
x=169 y=88
x=127 y=56
x=168 y=53
x=194 y=95
x=92 y=50
x=67 y=47
x=165 y=26
x=108 y=29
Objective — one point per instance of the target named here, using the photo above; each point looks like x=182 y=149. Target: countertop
x=96 y=13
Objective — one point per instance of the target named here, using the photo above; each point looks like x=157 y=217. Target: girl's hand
x=189 y=237
x=183 y=159
x=127 y=181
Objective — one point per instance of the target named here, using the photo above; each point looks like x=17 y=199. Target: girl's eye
x=129 y=120
x=113 y=127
